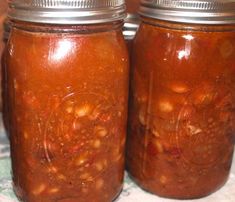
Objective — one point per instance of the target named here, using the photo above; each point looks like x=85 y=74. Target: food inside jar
x=181 y=126
x=68 y=105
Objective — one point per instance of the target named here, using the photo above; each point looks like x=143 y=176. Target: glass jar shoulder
x=50 y=48
x=177 y=49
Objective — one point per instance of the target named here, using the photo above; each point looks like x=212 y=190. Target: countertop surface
x=130 y=193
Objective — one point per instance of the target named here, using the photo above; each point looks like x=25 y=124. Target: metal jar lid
x=131 y=25
x=190 y=11
x=67 y=11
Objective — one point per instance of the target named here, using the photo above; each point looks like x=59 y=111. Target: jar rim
x=70 y=12
x=190 y=11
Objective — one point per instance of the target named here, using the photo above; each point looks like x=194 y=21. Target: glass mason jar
x=181 y=126
x=131 y=25
x=67 y=82
x=6 y=33
x=3 y=8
